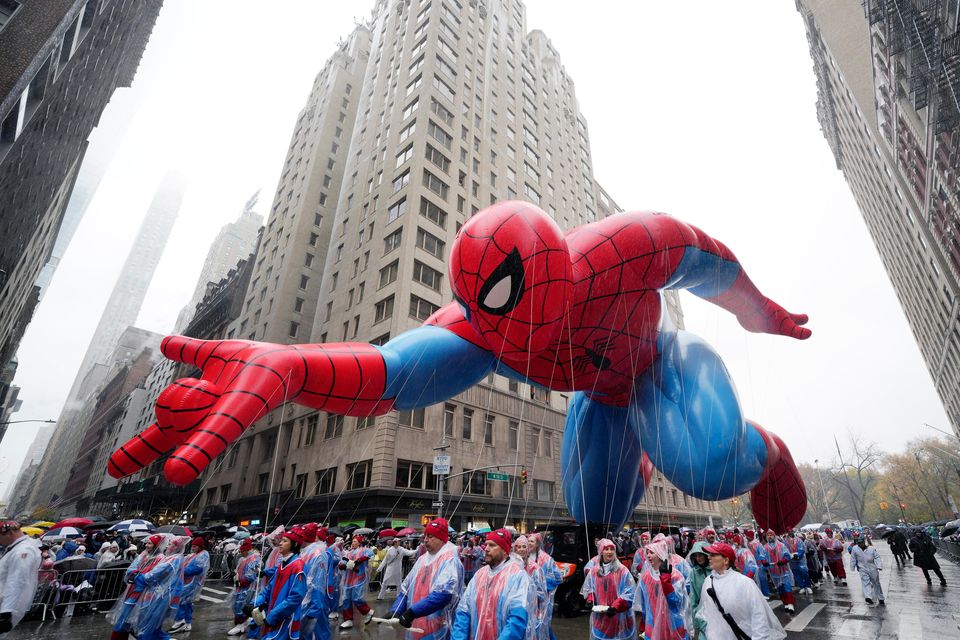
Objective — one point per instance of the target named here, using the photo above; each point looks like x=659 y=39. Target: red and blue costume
x=282 y=600
x=577 y=312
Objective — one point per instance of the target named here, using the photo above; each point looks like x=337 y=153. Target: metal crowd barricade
x=77 y=592
x=950 y=549
x=222 y=566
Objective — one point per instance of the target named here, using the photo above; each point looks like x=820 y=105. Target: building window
x=443 y=88
x=304 y=280
x=513 y=435
x=232 y=458
x=358 y=475
x=389 y=273
x=383 y=309
x=405 y=155
x=449 y=415
x=433 y=213
x=439 y=135
x=392 y=241
x=298 y=305
x=422 y=309
x=535 y=441
x=294 y=329
x=544 y=490
x=442 y=112
x=547 y=443
x=435 y=184
x=325 y=480
x=475 y=483
x=310 y=430
x=414 y=475
x=398 y=208
x=438 y=159
x=400 y=182
x=488 y=429
x=467 y=432
x=334 y=427
x=407 y=131
x=300 y=486
x=412 y=418
x=410 y=108
x=427 y=276
x=430 y=243
x=263 y=483
x=365 y=422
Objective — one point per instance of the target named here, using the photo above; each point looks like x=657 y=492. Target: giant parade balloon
x=581 y=312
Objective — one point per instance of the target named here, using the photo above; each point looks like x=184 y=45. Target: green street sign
x=496 y=475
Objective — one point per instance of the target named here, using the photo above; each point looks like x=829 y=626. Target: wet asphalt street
x=914 y=611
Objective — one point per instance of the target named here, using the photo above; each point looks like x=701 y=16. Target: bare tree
x=857 y=471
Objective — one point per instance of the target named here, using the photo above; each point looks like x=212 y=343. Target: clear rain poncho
x=494 y=604
x=145 y=604
x=609 y=584
x=662 y=600
x=435 y=580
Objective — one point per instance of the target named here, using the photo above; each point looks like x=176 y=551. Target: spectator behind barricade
x=68 y=549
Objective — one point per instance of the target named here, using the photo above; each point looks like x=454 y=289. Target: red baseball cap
x=722 y=549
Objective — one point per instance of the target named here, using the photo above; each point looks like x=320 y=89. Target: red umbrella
x=79 y=523
x=406 y=531
x=388 y=533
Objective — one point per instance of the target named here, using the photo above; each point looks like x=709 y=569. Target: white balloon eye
x=499 y=295
x=502 y=291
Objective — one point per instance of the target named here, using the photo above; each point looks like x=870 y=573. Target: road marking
x=802 y=619
x=209 y=599
x=774 y=603
x=223 y=593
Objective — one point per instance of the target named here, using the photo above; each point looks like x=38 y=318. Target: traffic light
x=523 y=477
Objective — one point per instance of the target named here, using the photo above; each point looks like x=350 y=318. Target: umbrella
x=950 y=528
x=63 y=532
x=237 y=528
x=134 y=525
x=175 y=529
x=406 y=531
x=335 y=531
x=75 y=563
x=362 y=531
x=42 y=524
x=483 y=530
x=387 y=533
x=106 y=524
x=240 y=535
x=79 y=523
x=32 y=531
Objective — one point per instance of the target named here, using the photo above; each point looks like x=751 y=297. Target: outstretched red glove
x=240 y=383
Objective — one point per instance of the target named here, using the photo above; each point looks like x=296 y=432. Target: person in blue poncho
x=430 y=593
x=278 y=608
x=322 y=574
x=494 y=605
x=189 y=583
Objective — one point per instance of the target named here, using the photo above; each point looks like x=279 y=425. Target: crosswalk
x=215 y=595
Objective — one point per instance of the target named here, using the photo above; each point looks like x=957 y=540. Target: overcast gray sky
x=704 y=110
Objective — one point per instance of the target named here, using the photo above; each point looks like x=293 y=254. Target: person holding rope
x=244 y=585
x=189 y=584
x=278 y=607
x=431 y=591
x=609 y=589
x=731 y=605
x=322 y=575
x=552 y=576
x=661 y=596
x=775 y=558
x=392 y=567
x=494 y=604
x=356 y=576
x=538 y=588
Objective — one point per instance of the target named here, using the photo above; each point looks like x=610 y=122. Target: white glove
x=350 y=565
x=600 y=608
x=259 y=617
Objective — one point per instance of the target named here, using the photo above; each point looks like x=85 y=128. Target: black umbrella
x=75 y=563
x=337 y=531
x=105 y=524
x=175 y=529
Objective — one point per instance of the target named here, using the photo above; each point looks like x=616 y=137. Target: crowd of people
x=294 y=581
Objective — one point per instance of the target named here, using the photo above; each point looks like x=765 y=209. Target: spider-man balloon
x=579 y=312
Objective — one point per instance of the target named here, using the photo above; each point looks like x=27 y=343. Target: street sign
x=496 y=475
x=438 y=504
x=441 y=465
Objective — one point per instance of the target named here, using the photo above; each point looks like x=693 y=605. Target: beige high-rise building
x=430 y=112
x=888 y=79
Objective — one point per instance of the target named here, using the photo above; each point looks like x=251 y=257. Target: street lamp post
x=823 y=491
x=3 y=424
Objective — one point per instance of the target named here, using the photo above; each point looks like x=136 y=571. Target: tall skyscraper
x=62 y=61
x=888 y=80
x=425 y=115
x=120 y=313
x=235 y=242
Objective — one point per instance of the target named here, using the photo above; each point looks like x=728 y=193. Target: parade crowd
x=293 y=582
